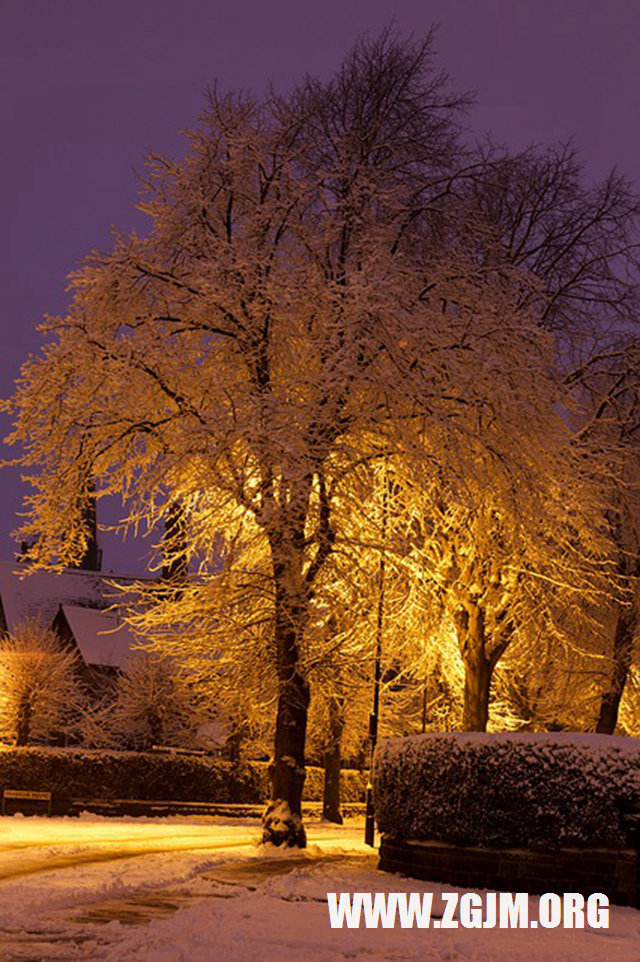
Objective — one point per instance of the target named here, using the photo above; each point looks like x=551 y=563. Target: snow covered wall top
x=540 y=791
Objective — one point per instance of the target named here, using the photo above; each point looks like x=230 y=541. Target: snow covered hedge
x=353 y=783
x=507 y=790
x=78 y=773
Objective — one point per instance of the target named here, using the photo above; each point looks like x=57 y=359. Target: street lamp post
x=369 y=824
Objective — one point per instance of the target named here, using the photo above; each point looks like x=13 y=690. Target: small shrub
x=152 y=703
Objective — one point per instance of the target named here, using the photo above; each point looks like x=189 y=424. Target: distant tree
x=577 y=243
x=40 y=691
x=608 y=383
x=153 y=702
x=629 y=714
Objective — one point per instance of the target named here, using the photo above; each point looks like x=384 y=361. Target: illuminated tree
x=234 y=350
x=609 y=384
x=581 y=245
x=520 y=554
x=577 y=249
x=153 y=702
x=319 y=291
x=40 y=691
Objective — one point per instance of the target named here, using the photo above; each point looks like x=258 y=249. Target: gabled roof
x=102 y=638
x=41 y=593
x=79 y=598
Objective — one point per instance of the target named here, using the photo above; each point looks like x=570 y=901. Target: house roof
x=81 y=596
x=41 y=593
x=102 y=638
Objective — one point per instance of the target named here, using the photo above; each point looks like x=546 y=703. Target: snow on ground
x=286 y=919
x=201 y=890
x=52 y=863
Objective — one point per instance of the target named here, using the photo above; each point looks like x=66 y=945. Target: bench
x=34 y=799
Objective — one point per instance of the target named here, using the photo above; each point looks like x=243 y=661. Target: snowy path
x=55 y=858
x=30 y=846
x=187 y=890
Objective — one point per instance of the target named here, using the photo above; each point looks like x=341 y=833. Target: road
x=63 y=881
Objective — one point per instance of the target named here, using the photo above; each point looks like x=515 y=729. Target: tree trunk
x=622 y=652
x=92 y=557
x=155 y=722
x=233 y=743
x=478 y=669
x=332 y=760
x=477 y=685
x=23 y=728
x=282 y=820
x=175 y=565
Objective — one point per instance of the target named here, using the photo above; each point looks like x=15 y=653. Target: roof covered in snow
x=81 y=596
x=40 y=593
x=101 y=636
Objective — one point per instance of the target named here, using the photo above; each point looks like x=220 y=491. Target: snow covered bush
x=540 y=791
x=40 y=689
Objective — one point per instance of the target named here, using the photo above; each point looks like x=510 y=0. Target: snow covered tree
x=154 y=703
x=496 y=537
x=259 y=325
x=608 y=382
x=317 y=292
x=581 y=245
x=514 y=555
x=578 y=252
x=40 y=691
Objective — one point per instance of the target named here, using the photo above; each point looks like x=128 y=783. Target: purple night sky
x=89 y=87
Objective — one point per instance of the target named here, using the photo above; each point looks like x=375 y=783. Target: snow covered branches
x=40 y=689
x=330 y=283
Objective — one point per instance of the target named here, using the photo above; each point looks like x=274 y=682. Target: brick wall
x=616 y=873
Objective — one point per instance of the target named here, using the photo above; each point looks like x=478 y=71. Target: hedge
x=507 y=790
x=85 y=774
x=353 y=783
